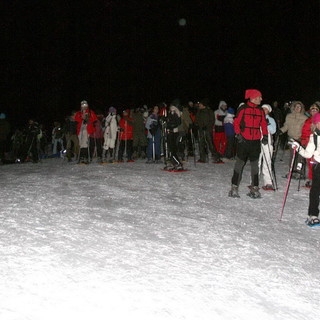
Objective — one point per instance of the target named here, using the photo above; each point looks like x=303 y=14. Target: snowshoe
x=313 y=221
x=254 y=192
x=234 y=192
x=268 y=187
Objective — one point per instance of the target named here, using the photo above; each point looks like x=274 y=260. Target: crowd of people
x=171 y=134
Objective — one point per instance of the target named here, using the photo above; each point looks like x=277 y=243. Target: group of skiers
x=253 y=132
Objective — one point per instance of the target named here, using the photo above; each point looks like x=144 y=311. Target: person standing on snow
x=250 y=125
x=219 y=137
x=173 y=122
x=265 y=160
x=312 y=150
x=85 y=119
x=293 y=126
x=305 y=135
x=70 y=130
x=154 y=136
x=204 y=121
x=126 y=136
x=229 y=131
x=96 y=138
x=110 y=135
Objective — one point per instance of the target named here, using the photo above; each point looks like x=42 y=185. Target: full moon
x=182 y=22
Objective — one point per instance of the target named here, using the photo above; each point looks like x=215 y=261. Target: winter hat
x=112 y=110
x=222 y=103
x=314 y=107
x=267 y=106
x=84 y=103
x=205 y=102
x=230 y=110
x=316 y=118
x=252 y=94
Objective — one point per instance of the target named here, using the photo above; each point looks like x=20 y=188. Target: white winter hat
x=267 y=106
x=222 y=103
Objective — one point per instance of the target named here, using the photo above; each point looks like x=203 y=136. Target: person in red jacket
x=305 y=135
x=85 y=127
x=126 y=136
x=250 y=127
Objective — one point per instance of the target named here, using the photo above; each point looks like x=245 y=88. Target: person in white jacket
x=312 y=150
x=110 y=134
x=265 y=159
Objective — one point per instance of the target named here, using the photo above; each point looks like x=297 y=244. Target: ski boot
x=234 y=192
x=254 y=192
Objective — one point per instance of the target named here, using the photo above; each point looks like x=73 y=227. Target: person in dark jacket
x=250 y=125
x=204 y=121
x=4 y=133
x=71 y=137
x=31 y=141
x=173 y=122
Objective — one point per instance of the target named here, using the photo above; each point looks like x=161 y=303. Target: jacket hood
x=294 y=103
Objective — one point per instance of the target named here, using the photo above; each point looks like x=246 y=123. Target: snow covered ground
x=129 y=241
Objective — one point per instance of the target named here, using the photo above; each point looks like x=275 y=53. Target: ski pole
x=288 y=183
x=193 y=147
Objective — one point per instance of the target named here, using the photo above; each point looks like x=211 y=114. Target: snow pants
x=220 y=142
x=265 y=163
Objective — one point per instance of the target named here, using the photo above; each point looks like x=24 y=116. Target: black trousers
x=314 y=191
x=125 y=146
x=173 y=147
x=247 y=150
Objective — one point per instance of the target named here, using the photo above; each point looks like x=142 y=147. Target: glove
x=240 y=138
x=295 y=146
x=265 y=140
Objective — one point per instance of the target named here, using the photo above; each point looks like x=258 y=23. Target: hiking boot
x=308 y=184
x=179 y=167
x=312 y=221
x=234 y=192
x=254 y=192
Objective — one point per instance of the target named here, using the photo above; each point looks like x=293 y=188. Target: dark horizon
x=111 y=53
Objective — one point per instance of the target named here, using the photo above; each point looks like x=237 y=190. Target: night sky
x=129 y=53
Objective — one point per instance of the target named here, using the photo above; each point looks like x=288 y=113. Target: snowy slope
x=130 y=241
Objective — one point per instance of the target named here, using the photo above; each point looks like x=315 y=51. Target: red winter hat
x=252 y=93
x=316 y=118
